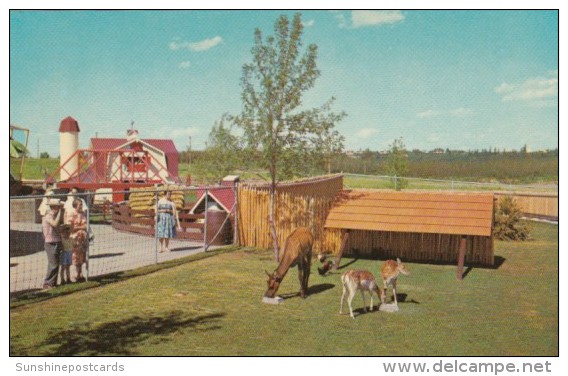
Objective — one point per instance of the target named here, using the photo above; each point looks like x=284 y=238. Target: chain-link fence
x=121 y=228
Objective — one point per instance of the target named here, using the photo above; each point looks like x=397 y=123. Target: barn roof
x=419 y=212
x=167 y=146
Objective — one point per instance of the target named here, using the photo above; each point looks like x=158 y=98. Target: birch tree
x=274 y=121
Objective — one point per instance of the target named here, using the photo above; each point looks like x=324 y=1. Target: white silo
x=68 y=144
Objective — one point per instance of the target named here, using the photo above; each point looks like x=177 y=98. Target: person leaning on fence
x=43 y=207
x=166 y=221
x=52 y=241
x=79 y=237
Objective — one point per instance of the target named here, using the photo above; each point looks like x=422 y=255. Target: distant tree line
x=476 y=165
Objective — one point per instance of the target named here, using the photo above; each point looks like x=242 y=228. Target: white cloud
x=461 y=112
x=183 y=132
x=341 y=22
x=203 y=45
x=456 y=112
x=173 y=133
x=309 y=23
x=184 y=65
x=534 y=90
x=361 y=18
x=366 y=132
x=427 y=114
x=176 y=44
x=433 y=138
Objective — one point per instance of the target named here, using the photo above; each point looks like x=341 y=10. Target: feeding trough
x=388 y=307
x=275 y=300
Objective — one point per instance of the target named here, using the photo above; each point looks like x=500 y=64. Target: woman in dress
x=167 y=220
x=79 y=237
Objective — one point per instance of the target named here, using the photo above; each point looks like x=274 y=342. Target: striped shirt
x=50 y=233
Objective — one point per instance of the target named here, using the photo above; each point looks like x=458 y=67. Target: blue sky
x=450 y=79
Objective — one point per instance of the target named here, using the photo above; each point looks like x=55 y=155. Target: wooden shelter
x=422 y=226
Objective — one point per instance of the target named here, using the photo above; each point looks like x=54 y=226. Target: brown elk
x=390 y=272
x=297 y=251
x=361 y=280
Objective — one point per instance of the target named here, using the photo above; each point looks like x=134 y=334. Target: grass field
x=380 y=182
x=33 y=167
x=212 y=306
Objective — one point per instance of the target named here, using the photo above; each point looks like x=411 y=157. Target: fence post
x=88 y=243
x=236 y=231
x=461 y=258
x=205 y=242
x=312 y=214
x=156 y=227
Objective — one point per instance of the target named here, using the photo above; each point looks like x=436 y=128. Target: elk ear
x=398 y=261
x=267 y=273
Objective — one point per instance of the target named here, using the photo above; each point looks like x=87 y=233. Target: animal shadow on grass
x=312 y=290
x=119 y=337
x=402 y=298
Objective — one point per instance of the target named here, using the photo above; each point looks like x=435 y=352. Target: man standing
x=53 y=245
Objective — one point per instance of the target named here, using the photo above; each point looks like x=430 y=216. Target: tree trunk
x=272 y=221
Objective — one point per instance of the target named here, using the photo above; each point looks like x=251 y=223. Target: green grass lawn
x=371 y=182
x=212 y=306
x=33 y=167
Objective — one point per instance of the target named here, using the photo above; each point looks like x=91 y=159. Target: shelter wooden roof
x=420 y=212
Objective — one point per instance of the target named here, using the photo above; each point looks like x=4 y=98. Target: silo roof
x=69 y=125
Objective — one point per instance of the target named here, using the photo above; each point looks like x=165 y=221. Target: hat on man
x=53 y=202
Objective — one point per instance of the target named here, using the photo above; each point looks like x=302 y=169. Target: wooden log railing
x=143 y=222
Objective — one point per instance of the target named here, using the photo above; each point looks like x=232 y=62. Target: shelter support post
x=461 y=258
x=341 y=250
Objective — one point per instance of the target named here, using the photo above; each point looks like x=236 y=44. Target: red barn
x=122 y=163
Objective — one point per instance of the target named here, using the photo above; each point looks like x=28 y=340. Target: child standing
x=66 y=255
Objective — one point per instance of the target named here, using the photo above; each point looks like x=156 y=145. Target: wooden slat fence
x=306 y=203
x=535 y=205
x=311 y=209
x=437 y=248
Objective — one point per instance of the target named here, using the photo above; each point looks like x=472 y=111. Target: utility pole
x=189 y=153
x=38 y=148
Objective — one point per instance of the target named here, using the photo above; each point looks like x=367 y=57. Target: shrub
x=508 y=223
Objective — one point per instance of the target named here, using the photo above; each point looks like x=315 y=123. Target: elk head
x=401 y=268
x=273 y=284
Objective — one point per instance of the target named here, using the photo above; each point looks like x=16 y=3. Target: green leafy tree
x=275 y=125
x=330 y=145
x=222 y=154
x=44 y=155
x=397 y=164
